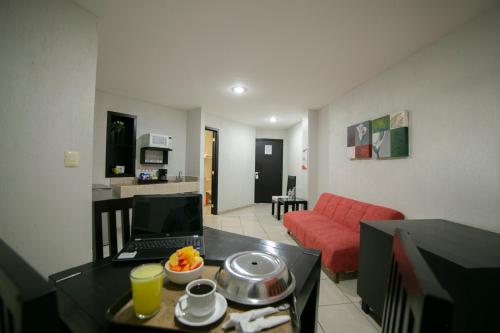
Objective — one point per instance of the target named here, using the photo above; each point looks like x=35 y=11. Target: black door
x=268 y=169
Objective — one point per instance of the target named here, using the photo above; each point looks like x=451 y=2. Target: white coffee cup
x=200 y=299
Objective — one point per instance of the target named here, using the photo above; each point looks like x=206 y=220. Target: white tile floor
x=339 y=305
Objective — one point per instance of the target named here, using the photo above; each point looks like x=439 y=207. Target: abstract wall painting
x=390 y=135
x=359 y=141
x=384 y=137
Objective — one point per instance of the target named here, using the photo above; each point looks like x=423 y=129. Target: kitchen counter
x=102 y=193
x=126 y=190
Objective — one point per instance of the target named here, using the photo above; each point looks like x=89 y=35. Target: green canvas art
x=399 y=142
x=390 y=136
x=381 y=124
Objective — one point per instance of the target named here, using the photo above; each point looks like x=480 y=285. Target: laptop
x=162 y=224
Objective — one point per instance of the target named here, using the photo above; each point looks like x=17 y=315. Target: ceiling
x=292 y=55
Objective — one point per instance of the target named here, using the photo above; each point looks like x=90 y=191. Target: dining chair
x=415 y=301
x=110 y=208
x=28 y=301
x=290 y=184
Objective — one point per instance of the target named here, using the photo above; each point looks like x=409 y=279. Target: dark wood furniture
x=106 y=203
x=415 y=302
x=290 y=185
x=120 y=145
x=288 y=201
x=465 y=260
x=27 y=300
x=84 y=299
x=162 y=151
x=274 y=202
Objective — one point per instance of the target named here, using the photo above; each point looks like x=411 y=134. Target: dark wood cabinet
x=120 y=143
x=465 y=260
x=154 y=155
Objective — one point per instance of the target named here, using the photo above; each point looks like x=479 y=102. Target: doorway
x=268 y=169
x=211 y=163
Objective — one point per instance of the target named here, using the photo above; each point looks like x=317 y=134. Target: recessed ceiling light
x=239 y=90
x=273 y=119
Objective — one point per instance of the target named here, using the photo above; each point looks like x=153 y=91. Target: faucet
x=179 y=177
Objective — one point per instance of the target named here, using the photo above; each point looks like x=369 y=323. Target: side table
x=294 y=202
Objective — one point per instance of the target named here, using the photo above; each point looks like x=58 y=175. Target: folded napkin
x=261 y=323
x=254 y=321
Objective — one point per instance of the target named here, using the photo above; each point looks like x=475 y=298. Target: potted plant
x=117 y=127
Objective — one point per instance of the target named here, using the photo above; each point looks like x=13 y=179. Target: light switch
x=71 y=159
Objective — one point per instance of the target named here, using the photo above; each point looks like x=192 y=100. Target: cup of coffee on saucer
x=201 y=305
x=200 y=299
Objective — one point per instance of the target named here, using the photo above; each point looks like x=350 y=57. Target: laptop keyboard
x=175 y=243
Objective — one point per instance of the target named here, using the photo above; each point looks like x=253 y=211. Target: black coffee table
x=288 y=201
x=84 y=298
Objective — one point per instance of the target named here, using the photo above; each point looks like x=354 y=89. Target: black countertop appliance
x=162 y=174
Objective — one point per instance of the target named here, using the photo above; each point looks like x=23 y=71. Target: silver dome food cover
x=255 y=278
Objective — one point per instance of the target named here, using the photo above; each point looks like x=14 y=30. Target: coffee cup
x=200 y=300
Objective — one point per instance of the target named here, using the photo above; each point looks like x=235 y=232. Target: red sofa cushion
x=322 y=202
x=339 y=249
x=376 y=213
x=298 y=222
x=355 y=215
x=333 y=227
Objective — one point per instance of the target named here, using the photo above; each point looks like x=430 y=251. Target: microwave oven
x=157 y=141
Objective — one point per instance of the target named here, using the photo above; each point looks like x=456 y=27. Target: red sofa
x=333 y=227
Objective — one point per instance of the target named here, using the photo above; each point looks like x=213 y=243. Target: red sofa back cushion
x=350 y=212
x=322 y=202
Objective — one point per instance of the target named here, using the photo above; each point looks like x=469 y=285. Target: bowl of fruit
x=183 y=266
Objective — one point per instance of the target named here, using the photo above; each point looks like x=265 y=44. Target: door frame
x=215 y=169
x=282 y=161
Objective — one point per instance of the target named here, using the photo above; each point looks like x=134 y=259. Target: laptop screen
x=167 y=215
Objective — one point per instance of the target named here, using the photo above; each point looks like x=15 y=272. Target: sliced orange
x=175 y=268
x=195 y=265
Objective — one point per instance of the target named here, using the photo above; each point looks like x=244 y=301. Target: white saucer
x=190 y=320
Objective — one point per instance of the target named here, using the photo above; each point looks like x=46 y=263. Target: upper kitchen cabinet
x=120 y=144
x=155 y=148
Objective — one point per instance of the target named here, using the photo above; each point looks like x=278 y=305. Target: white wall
x=236 y=162
x=324 y=170
x=269 y=133
x=193 y=137
x=151 y=118
x=295 y=138
x=452 y=90
x=312 y=163
x=194 y=148
x=47 y=85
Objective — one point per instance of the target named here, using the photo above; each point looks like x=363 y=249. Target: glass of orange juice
x=147 y=283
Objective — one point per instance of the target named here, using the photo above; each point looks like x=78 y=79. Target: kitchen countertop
x=131 y=188
x=101 y=192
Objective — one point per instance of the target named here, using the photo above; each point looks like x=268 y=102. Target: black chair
x=290 y=184
x=110 y=208
x=415 y=301
x=28 y=301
